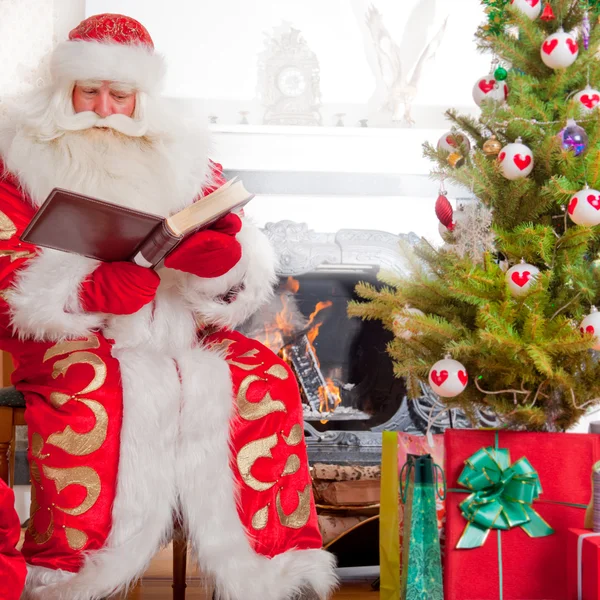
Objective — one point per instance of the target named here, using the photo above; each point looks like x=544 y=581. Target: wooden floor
x=156 y=583
x=155 y=590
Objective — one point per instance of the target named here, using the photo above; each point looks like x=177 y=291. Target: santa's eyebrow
x=90 y=83
x=124 y=88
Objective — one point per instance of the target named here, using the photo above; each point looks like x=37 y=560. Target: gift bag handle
x=403 y=489
x=437 y=468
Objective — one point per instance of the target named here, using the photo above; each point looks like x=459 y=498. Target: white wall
x=212 y=47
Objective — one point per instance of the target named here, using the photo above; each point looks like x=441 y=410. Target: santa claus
x=143 y=402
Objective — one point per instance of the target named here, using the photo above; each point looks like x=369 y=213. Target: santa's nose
x=102 y=106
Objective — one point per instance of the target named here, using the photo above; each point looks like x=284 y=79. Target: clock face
x=291 y=82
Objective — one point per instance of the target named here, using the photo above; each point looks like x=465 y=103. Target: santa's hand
x=119 y=288
x=211 y=252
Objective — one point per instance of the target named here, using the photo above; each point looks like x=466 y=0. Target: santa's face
x=104 y=98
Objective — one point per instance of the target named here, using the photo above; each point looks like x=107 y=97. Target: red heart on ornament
x=573 y=47
x=522 y=161
x=549 y=45
x=588 y=329
x=589 y=101
x=463 y=377
x=501 y=156
x=487 y=86
x=521 y=279
x=505 y=91
x=594 y=201
x=533 y=3
x=572 y=206
x=451 y=141
x=439 y=378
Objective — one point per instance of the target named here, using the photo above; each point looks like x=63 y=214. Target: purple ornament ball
x=573 y=138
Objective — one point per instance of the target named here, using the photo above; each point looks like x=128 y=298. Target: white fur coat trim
x=44 y=299
x=79 y=60
x=175 y=454
x=256 y=272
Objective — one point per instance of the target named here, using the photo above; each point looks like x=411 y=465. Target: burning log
x=300 y=355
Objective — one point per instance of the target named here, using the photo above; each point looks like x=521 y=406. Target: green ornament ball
x=500 y=73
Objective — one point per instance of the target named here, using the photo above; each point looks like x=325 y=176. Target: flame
x=279 y=333
x=313 y=332
x=276 y=333
x=329 y=398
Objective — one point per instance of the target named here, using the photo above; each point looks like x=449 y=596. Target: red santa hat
x=109 y=47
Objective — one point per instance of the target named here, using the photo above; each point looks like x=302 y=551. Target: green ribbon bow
x=502 y=495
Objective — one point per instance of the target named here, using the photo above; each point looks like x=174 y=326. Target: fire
x=283 y=330
x=313 y=332
x=329 y=398
x=276 y=333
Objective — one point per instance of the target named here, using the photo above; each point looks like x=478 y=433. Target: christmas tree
x=511 y=294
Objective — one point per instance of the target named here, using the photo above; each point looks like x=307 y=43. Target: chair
x=12 y=414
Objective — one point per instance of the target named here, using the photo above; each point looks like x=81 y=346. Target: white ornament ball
x=521 y=277
x=591 y=324
x=399 y=322
x=587 y=99
x=530 y=8
x=584 y=207
x=445 y=233
x=451 y=142
x=559 y=50
x=516 y=160
x=448 y=378
x=488 y=88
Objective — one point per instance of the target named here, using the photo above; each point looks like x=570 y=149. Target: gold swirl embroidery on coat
x=260 y=518
x=34 y=471
x=89 y=343
x=76 y=538
x=16 y=254
x=83 y=358
x=299 y=518
x=278 y=371
x=221 y=347
x=295 y=437
x=37 y=445
x=292 y=465
x=38 y=537
x=7 y=227
x=243 y=366
x=57 y=399
x=252 y=411
x=249 y=454
x=82 y=444
x=250 y=354
x=84 y=476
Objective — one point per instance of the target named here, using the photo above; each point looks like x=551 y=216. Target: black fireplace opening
x=344 y=373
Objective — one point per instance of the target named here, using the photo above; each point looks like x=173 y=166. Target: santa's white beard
x=136 y=172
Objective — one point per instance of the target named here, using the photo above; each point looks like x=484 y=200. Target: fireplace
x=348 y=389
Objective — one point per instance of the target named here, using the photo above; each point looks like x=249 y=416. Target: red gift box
x=588 y=561
x=528 y=568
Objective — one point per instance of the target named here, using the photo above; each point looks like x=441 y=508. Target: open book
x=105 y=231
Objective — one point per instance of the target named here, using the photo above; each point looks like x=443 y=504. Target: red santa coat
x=122 y=436
x=12 y=563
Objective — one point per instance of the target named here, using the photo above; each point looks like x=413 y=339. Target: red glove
x=211 y=252
x=119 y=288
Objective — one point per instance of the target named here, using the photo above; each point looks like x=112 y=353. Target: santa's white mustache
x=88 y=119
